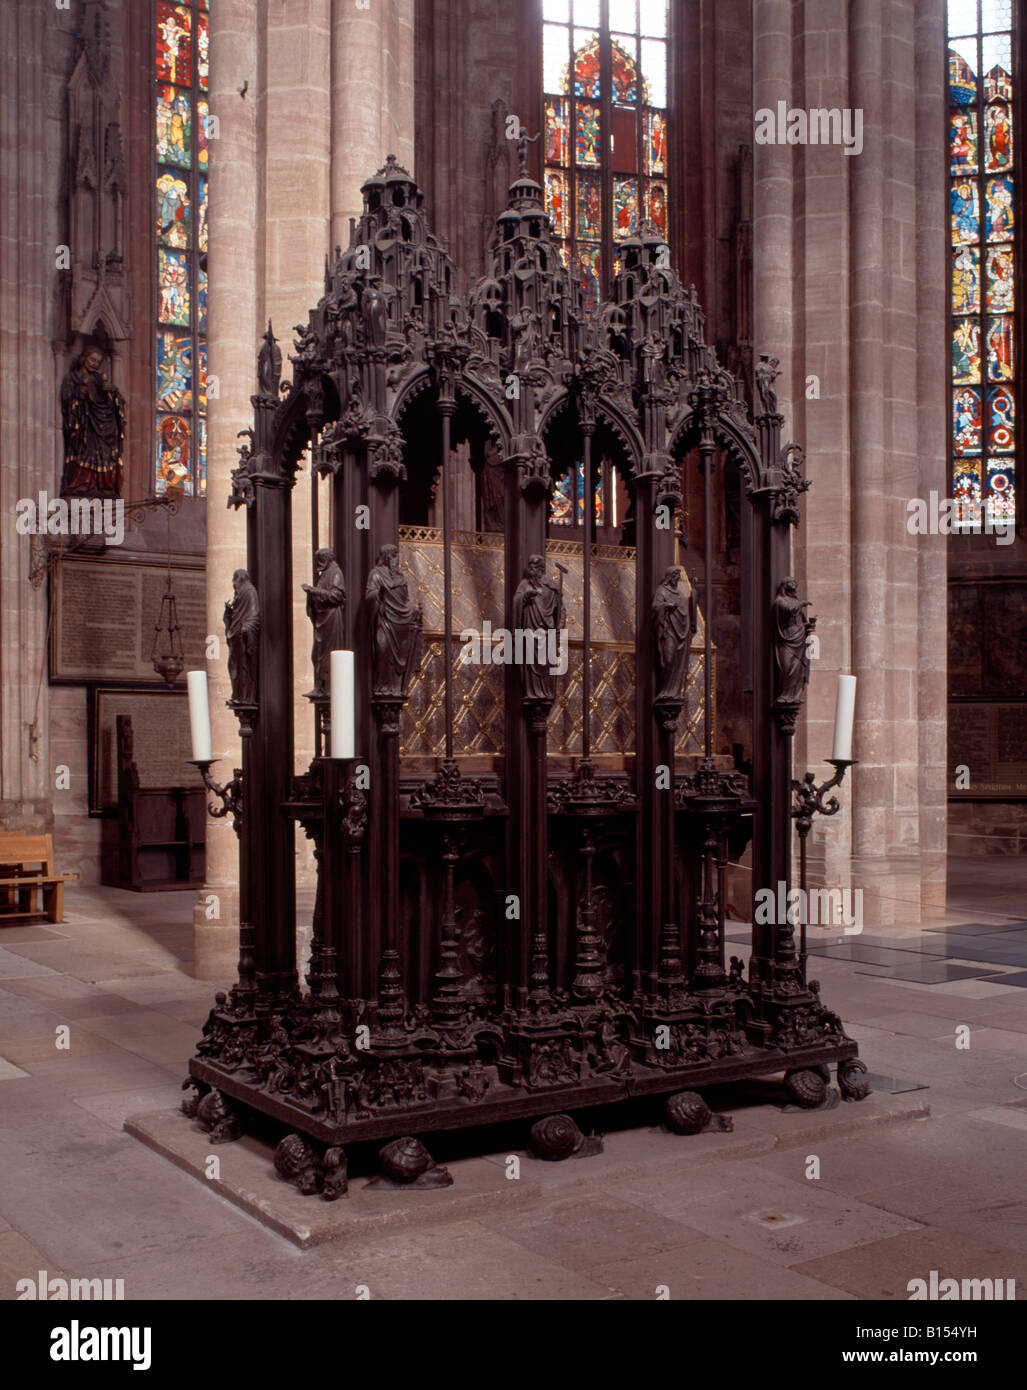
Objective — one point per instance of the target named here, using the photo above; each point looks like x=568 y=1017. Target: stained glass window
x=567 y=505
x=604 y=74
x=983 y=197
x=181 y=39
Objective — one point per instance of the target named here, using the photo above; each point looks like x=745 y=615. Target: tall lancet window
x=984 y=172
x=181 y=83
x=604 y=75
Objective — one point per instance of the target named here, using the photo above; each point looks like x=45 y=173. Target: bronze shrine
x=521 y=872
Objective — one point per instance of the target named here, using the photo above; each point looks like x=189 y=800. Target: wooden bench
x=27 y=869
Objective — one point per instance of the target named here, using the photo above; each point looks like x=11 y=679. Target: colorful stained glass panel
x=1001 y=421
x=962 y=81
x=203 y=51
x=586 y=65
x=981 y=141
x=201 y=452
x=589 y=220
x=203 y=120
x=1000 y=348
x=201 y=297
x=625 y=207
x=655 y=142
x=1000 y=296
x=998 y=138
x=966 y=352
x=966 y=220
x=174 y=463
x=558 y=201
x=174 y=127
x=966 y=280
x=966 y=491
x=1001 y=494
x=963 y=142
x=966 y=421
x=173 y=287
x=587 y=135
x=999 y=216
x=181 y=133
x=202 y=382
x=556 y=131
x=174 y=371
x=588 y=274
x=174 y=213
x=656 y=206
x=623 y=71
x=201 y=216
x=174 y=58
x=562 y=509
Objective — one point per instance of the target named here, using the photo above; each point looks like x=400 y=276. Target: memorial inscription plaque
x=104 y=615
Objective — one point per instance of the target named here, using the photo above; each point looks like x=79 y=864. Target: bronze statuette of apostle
x=791 y=628
x=674 y=625
x=242 y=632
x=538 y=607
x=326 y=606
x=395 y=623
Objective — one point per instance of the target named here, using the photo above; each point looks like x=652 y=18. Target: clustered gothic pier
x=541 y=929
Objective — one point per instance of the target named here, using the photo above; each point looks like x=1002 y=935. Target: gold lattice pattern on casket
x=478 y=703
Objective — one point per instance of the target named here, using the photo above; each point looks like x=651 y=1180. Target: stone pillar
x=234 y=333
x=29 y=411
x=848 y=293
x=372 y=103
x=930 y=691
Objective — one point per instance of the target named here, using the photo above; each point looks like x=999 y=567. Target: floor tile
x=930 y=972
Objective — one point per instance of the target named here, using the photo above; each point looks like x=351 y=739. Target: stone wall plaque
x=988 y=640
x=104 y=617
x=989 y=739
x=162 y=747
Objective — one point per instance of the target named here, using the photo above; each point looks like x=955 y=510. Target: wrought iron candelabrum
x=230 y=794
x=809 y=802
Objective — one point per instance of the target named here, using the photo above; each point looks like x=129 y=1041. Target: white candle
x=343 y=690
x=844 y=714
x=199 y=716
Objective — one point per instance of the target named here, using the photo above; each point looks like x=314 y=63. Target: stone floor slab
x=708 y=1270
x=884 y=1268
x=24 y=1051
x=248 y=1180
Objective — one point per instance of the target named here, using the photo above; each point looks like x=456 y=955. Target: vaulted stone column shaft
x=848 y=294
